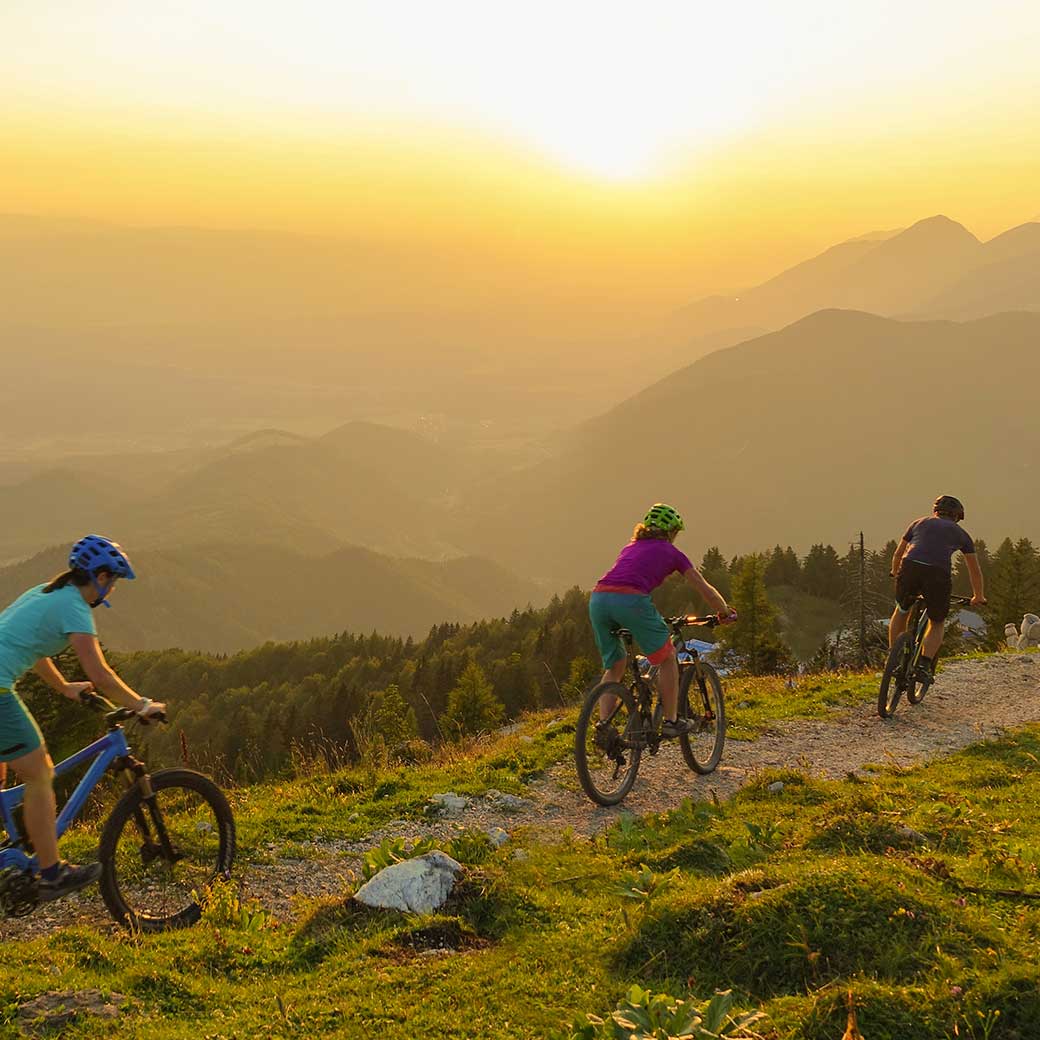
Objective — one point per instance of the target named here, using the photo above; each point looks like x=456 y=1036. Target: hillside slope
x=838 y=423
x=228 y=597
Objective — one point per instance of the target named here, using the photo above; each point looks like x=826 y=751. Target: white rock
x=525 y=739
x=520 y=854
x=498 y=836
x=450 y=804
x=417 y=886
x=775 y=787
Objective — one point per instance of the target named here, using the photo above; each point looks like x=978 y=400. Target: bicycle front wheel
x=893 y=679
x=160 y=855
x=700 y=699
x=608 y=743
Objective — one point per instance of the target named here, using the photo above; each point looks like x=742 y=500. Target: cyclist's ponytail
x=642 y=532
x=74 y=576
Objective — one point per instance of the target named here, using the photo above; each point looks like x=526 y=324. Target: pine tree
x=756 y=635
x=472 y=705
x=713 y=568
x=1012 y=588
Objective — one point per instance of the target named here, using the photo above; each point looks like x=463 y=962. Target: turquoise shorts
x=19 y=733
x=608 y=610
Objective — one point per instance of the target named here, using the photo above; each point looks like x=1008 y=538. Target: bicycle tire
x=604 y=783
x=892 y=682
x=692 y=748
x=141 y=889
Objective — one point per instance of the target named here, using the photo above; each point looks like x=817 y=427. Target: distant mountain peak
x=937 y=227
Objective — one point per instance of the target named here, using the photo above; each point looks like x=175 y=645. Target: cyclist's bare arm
x=46 y=669
x=100 y=673
x=978 y=594
x=711 y=594
x=897 y=559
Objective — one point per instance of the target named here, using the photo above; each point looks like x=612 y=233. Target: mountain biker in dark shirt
x=921 y=567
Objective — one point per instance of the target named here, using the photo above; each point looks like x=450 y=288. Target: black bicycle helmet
x=947 y=505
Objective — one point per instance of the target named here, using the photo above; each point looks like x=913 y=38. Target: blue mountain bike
x=166 y=840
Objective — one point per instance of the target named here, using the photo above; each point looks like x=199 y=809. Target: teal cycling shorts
x=19 y=733
x=638 y=614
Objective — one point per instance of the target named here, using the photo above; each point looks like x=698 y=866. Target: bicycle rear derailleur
x=19 y=893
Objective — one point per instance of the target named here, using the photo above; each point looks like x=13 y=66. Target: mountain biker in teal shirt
x=621 y=599
x=41 y=623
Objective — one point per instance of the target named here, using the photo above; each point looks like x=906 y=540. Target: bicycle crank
x=19 y=892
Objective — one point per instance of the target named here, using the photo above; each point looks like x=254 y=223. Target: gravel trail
x=973 y=700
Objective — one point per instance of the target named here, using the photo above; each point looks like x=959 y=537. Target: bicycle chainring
x=19 y=894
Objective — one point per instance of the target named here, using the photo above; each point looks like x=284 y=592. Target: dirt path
x=972 y=701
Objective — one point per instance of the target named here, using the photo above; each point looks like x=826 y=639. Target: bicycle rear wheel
x=150 y=884
x=893 y=679
x=700 y=698
x=608 y=743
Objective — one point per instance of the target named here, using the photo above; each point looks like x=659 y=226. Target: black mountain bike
x=900 y=675
x=621 y=720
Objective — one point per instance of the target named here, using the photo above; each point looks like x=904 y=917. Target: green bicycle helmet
x=663 y=517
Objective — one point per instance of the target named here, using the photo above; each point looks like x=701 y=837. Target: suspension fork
x=147 y=809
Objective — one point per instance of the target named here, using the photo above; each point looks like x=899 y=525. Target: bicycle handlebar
x=707 y=621
x=94 y=700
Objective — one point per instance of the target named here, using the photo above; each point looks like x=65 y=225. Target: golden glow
x=656 y=149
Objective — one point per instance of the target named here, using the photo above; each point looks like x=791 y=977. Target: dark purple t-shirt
x=644 y=564
x=934 y=539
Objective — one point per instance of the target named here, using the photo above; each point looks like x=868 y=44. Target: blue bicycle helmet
x=94 y=553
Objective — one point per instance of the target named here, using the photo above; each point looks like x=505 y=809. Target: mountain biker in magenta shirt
x=621 y=599
x=39 y=624
x=921 y=567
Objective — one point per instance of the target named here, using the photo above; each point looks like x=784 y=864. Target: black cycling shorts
x=935 y=584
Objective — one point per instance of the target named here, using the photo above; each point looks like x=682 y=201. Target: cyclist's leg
x=36 y=771
x=896 y=624
x=668 y=684
x=611 y=649
x=933 y=637
x=906 y=593
x=654 y=636
x=936 y=590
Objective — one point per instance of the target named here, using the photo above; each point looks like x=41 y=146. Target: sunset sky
x=672 y=147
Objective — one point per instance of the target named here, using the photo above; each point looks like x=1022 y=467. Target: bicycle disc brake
x=19 y=893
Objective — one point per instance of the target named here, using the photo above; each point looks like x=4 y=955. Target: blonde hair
x=642 y=532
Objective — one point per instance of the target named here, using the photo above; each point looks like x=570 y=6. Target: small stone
x=509 y=803
x=353 y=817
x=498 y=836
x=909 y=834
x=520 y=854
x=513 y=727
x=743 y=704
x=526 y=739
x=775 y=787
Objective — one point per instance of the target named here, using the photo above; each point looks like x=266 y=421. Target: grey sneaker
x=71 y=878
x=680 y=727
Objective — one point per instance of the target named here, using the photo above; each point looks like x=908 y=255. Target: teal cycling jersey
x=38 y=624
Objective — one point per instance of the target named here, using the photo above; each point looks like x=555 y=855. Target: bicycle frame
x=105 y=752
